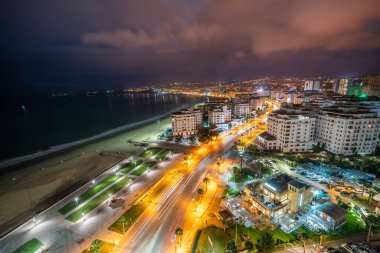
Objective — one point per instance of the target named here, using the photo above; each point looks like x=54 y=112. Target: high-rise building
x=219 y=115
x=312 y=85
x=372 y=86
x=242 y=109
x=186 y=122
x=289 y=130
x=343 y=86
x=348 y=130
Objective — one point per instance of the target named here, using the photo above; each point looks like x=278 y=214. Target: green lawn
x=91 y=205
x=89 y=193
x=143 y=168
x=29 y=247
x=306 y=232
x=131 y=215
x=220 y=239
x=130 y=166
x=151 y=151
x=163 y=154
x=106 y=247
x=353 y=225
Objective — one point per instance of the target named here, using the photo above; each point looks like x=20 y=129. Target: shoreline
x=20 y=162
x=38 y=183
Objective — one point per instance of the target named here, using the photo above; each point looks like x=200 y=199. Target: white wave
x=50 y=150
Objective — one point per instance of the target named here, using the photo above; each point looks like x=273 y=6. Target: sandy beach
x=37 y=186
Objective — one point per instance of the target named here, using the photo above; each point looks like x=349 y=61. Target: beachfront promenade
x=58 y=234
x=64 y=228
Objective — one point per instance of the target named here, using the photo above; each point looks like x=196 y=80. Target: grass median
x=91 y=205
x=100 y=247
x=163 y=154
x=151 y=152
x=143 y=168
x=89 y=193
x=29 y=247
x=130 y=166
x=128 y=218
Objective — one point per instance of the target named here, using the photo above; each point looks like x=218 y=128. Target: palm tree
x=200 y=193
x=95 y=246
x=206 y=180
x=179 y=233
x=123 y=219
x=248 y=246
x=231 y=247
x=372 y=220
x=300 y=236
x=266 y=240
x=371 y=193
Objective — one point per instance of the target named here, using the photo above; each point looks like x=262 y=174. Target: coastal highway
x=154 y=230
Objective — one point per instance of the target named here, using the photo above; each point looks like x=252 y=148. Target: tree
x=371 y=193
x=95 y=246
x=372 y=220
x=300 y=236
x=123 y=219
x=206 y=180
x=248 y=246
x=231 y=247
x=200 y=193
x=179 y=233
x=267 y=242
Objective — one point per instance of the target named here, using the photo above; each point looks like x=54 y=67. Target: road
x=154 y=230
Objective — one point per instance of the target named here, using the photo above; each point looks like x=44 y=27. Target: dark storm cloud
x=120 y=43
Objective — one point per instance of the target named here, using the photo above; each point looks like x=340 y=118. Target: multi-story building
x=186 y=122
x=289 y=130
x=219 y=115
x=312 y=85
x=372 y=86
x=347 y=130
x=343 y=86
x=256 y=103
x=242 y=109
x=278 y=195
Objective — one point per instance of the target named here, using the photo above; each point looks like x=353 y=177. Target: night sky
x=49 y=45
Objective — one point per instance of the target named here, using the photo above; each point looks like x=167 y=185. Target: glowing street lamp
x=76 y=200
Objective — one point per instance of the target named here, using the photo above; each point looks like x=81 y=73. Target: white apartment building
x=348 y=131
x=186 y=122
x=242 y=109
x=289 y=130
x=219 y=115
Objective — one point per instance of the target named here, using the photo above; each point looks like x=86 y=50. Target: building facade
x=242 y=109
x=219 y=115
x=186 y=123
x=288 y=131
x=347 y=130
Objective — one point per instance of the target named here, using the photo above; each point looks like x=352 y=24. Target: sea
x=35 y=126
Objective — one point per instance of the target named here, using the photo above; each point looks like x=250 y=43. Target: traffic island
x=125 y=221
x=100 y=247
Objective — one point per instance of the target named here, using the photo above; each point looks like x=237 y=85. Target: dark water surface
x=34 y=124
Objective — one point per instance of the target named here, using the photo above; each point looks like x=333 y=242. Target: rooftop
x=278 y=183
x=334 y=211
x=297 y=184
x=267 y=136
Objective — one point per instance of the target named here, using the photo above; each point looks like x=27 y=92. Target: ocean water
x=37 y=124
